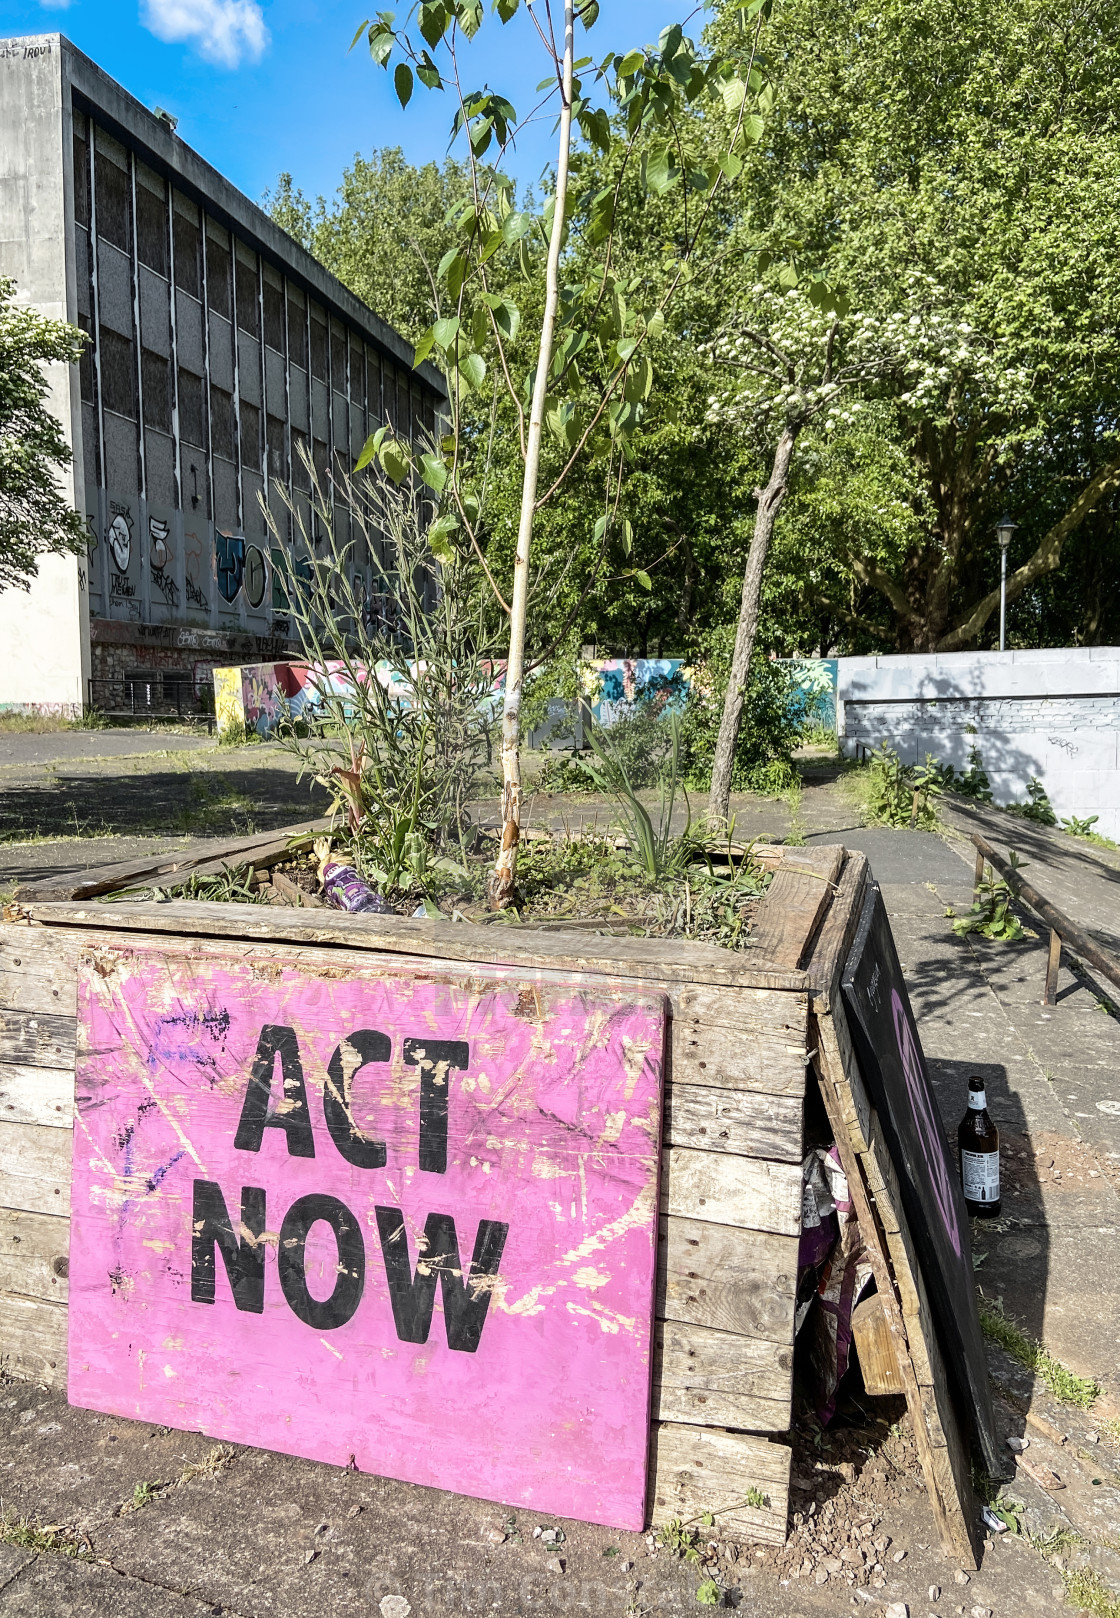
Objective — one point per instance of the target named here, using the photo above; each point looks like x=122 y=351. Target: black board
x=890 y=1059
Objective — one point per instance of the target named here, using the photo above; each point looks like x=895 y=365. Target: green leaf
x=730 y=164
x=395 y=460
x=370 y=448
x=658 y=172
x=468 y=13
x=439 y=538
x=588 y=13
x=506 y=9
x=753 y=127
x=600 y=529
x=734 y=93
x=402 y=83
x=708 y=1594
x=433 y=472
x=630 y=64
x=472 y=368
x=433 y=20
x=639 y=576
x=453 y=268
x=627 y=536
x=655 y=325
x=514 y=226
x=639 y=381
x=446 y=330
x=424 y=347
x=428 y=73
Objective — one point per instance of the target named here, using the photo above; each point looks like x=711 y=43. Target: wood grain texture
x=741 y=1281
x=718 y=1379
x=799 y=895
x=833 y=942
x=738 y=1121
x=37 y=1095
x=706 y=1052
x=35 y=1168
x=38 y=970
x=518 y=947
x=33 y=1340
x=877 y=1360
x=34 y=1257
x=201 y=856
x=695 y=1469
x=835 y=1041
x=739 y=1191
x=37 y=1038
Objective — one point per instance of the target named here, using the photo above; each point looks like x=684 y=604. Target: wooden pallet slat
x=34 y=1255
x=718 y=1378
x=694 y=1470
x=732 y=1279
x=799 y=895
x=740 y=1191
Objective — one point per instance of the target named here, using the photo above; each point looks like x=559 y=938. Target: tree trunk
x=505 y=870
x=769 y=504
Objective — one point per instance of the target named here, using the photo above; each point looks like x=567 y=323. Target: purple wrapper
x=345 y=890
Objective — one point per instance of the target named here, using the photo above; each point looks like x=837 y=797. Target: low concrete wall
x=1051 y=714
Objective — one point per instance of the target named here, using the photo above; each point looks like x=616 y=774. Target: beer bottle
x=978 y=1139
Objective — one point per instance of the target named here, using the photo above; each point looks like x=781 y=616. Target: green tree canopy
x=35 y=518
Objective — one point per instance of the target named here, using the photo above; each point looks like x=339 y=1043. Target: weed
x=991 y=915
x=1088 y=1592
x=1062 y=1382
x=682 y=1541
x=659 y=854
x=238 y=734
x=216 y=1461
x=970 y=783
x=898 y=794
x=1037 y=807
x=30 y=1536
x=756 y=1498
x=143 y=1495
x=708 y=1595
x=610 y=1550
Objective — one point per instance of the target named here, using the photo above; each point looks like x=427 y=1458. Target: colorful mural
x=259 y=695
x=614 y=686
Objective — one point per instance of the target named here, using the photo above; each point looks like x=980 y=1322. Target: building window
x=114 y=204
x=300 y=476
x=318 y=347
x=297 y=333
x=357 y=374
x=277 y=456
x=373 y=385
x=192 y=416
x=81 y=180
x=187 y=274
x=250 y=435
x=118 y=373
x=274 y=317
x=85 y=363
x=338 y=359
x=321 y=463
x=155 y=373
x=218 y=290
x=221 y=423
x=151 y=230
x=248 y=312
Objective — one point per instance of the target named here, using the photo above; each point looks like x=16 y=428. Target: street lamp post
x=1004 y=530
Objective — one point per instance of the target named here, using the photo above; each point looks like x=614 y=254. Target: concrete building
x=218 y=347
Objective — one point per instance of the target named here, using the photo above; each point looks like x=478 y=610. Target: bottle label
x=980 y=1176
x=977 y=1100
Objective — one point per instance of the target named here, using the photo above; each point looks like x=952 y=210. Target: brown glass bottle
x=978 y=1139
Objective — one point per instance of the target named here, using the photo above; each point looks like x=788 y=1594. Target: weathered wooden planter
x=745 y=1032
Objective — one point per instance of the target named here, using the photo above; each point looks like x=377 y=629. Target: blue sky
x=264 y=86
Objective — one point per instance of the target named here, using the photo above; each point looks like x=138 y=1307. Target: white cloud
x=223 y=31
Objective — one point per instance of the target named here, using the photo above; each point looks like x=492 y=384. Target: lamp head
x=1004 y=530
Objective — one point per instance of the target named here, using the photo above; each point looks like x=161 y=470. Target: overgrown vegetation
x=892 y=793
x=991 y=914
x=1037 y=807
x=1062 y=1382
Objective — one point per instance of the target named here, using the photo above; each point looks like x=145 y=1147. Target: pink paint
x=547 y=1164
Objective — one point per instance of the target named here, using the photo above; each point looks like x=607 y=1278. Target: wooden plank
x=211 y=854
x=834 y=940
x=497 y=944
x=36 y=1095
x=948 y=1482
x=718 y=1379
x=35 y=1168
x=877 y=1360
x=772 y=1061
x=835 y=1042
x=796 y=901
x=738 y=1191
x=38 y=971
x=741 y=1281
x=739 y=1121
x=36 y=1038
x=33 y=1340
x=34 y=1251
x=751 y=1010
x=694 y=1470
x=287 y=889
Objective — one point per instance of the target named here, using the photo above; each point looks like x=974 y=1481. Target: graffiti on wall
x=229 y=555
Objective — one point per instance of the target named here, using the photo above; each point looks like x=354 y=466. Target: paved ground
x=253 y=1534
x=67 y=746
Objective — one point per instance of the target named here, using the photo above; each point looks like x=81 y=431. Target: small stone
x=322 y=1528
x=394 y=1607
x=899 y=1556
x=495 y=1536
x=878 y=1584
x=833 y=1564
x=625 y=1566
x=961 y=1577
x=554 y=1565
x=1092 y=1438
x=981 y=1612
x=935 y=1592
x=537 y=1533
x=821 y=1576
x=897 y=1609
x=1018 y=1445
x=548 y=1535
x=355 y=1511
x=883 y=1542
x=309 y=1558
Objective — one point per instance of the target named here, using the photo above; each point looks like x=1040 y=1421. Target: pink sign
x=372 y=1217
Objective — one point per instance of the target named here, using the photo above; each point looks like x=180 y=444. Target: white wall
x=43 y=632
x=1051 y=714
